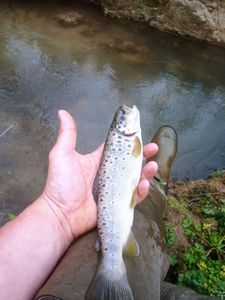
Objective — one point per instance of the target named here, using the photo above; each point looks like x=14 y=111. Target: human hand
x=68 y=189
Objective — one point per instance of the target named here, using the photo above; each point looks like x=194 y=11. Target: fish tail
x=109 y=286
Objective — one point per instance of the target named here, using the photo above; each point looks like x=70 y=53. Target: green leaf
x=187 y=223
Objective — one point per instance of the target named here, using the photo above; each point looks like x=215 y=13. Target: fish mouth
x=126 y=134
x=128 y=108
x=129 y=134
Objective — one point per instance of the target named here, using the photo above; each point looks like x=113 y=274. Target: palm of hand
x=69 y=186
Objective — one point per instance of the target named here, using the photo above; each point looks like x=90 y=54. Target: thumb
x=67 y=135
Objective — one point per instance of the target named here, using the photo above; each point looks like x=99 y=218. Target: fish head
x=127 y=120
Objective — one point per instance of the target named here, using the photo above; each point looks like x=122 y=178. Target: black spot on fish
x=106 y=249
x=120 y=149
x=129 y=146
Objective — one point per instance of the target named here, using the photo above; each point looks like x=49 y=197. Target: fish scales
x=118 y=177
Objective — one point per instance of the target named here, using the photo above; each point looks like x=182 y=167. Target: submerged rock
x=69 y=19
x=123 y=46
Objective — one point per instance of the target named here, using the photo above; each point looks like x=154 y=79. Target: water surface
x=90 y=70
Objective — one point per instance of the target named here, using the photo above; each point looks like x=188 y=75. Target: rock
x=187 y=18
x=90 y=28
x=202 y=20
x=123 y=46
x=71 y=19
x=133 y=58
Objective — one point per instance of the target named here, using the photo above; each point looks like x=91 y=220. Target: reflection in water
x=45 y=67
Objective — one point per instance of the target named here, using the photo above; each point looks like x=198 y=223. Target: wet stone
x=71 y=19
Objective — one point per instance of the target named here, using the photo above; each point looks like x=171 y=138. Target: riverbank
x=195 y=234
x=201 y=20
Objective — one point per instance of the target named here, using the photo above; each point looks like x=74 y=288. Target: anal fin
x=131 y=247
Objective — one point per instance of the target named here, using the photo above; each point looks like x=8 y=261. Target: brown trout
x=118 y=177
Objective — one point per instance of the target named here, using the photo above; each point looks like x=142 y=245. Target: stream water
x=90 y=70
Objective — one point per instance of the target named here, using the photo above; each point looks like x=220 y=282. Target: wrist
x=58 y=217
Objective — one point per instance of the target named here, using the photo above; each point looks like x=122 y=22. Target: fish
x=118 y=177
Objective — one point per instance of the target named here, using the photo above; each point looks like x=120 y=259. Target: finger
x=67 y=134
x=150 y=150
x=143 y=189
x=149 y=170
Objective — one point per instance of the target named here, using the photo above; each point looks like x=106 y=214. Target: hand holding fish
x=66 y=209
x=68 y=190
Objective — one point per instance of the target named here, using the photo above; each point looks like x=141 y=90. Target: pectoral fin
x=133 y=200
x=131 y=248
x=137 y=147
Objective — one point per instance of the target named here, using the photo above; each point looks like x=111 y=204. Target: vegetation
x=204 y=262
x=217 y=173
x=201 y=264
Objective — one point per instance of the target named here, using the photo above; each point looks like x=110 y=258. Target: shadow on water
x=90 y=70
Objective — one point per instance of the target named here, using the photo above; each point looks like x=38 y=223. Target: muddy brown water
x=90 y=70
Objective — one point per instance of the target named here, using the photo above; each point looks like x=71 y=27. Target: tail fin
x=106 y=286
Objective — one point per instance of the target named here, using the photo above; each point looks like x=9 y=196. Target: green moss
x=178 y=204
